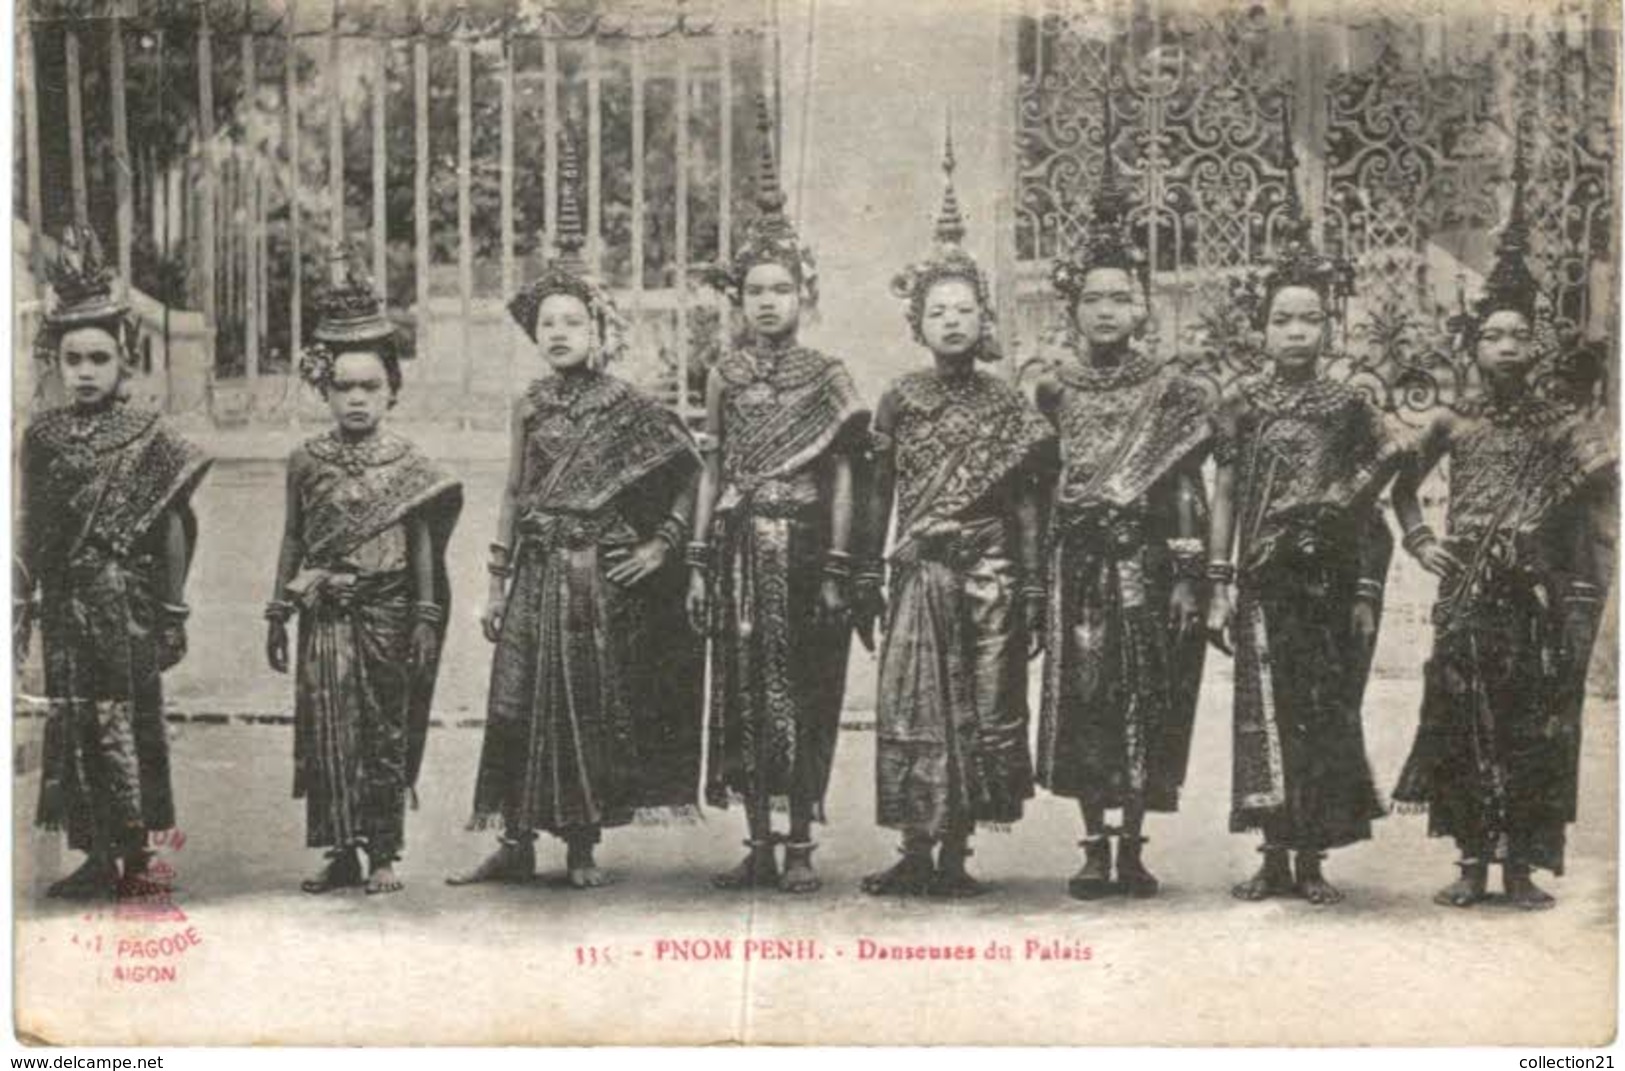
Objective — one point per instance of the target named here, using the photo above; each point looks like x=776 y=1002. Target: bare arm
x=292 y=554
x=882 y=483
x=841 y=504
x=710 y=481
x=175 y=556
x=1408 y=482
x=508 y=510
x=420 y=546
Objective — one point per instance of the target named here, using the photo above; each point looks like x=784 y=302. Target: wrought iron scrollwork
x=1408 y=120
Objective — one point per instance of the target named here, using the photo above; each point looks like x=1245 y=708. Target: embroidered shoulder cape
x=1120 y=437
x=956 y=440
x=1324 y=449
x=784 y=413
x=1513 y=475
x=614 y=437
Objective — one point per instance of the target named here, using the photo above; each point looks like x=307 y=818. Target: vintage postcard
x=690 y=522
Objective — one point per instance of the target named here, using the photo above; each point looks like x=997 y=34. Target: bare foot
x=759 y=870
x=1312 y=884
x=1094 y=879
x=953 y=882
x=583 y=868
x=342 y=870
x=95 y=877
x=512 y=861
x=1466 y=890
x=909 y=876
x=1523 y=893
x=383 y=880
x=799 y=876
x=1274 y=878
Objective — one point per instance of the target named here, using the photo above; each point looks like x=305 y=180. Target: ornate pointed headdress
x=83 y=296
x=1107 y=241
x=1297 y=262
x=948 y=260
x=770 y=237
x=1510 y=285
x=82 y=282
x=350 y=313
x=567 y=273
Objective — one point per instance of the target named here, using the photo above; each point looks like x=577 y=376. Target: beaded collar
x=1520 y=411
x=105 y=429
x=786 y=367
x=355 y=456
x=577 y=395
x=929 y=390
x=1314 y=397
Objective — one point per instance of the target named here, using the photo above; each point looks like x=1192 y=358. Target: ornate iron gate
x=424 y=132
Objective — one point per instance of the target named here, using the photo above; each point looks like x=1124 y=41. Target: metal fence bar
x=380 y=176
x=296 y=285
x=335 y=152
x=121 y=151
x=681 y=342
x=465 y=208
x=206 y=187
x=76 y=127
x=250 y=198
x=595 y=154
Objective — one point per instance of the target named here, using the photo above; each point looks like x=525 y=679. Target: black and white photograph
x=815 y=522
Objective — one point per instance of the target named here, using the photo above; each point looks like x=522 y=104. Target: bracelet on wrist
x=278 y=610
x=698 y=556
x=673 y=531
x=1416 y=538
x=1221 y=572
x=429 y=613
x=175 y=611
x=501 y=563
x=1366 y=588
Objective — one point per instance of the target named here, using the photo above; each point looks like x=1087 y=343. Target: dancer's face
x=564 y=331
x=359 y=394
x=1297 y=328
x=1108 y=307
x=951 y=318
x=1506 y=344
x=771 y=301
x=89 y=358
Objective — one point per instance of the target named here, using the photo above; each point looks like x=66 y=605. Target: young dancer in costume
x=105 y=538
x=1523 y=570
x=594 y=708
x=1126 y=558
x=1300 y=461
x=772 y=559
x=959 y=450
x=363 y=567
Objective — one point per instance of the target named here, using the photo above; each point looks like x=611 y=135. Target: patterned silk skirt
x=777 y=674
x=951 y=712
x=1120 y=685
x=1300 y=768
x=594 y=705
x=354 y=689
x=1495 y=762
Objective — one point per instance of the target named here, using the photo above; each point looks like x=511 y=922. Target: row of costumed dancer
x=1076 y=526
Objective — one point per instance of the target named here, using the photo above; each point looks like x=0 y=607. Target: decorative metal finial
x=950 y=221
x=570 y=236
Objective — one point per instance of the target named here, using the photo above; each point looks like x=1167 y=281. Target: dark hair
x=388 y=354
x=120 y=326
x=1071 y=286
